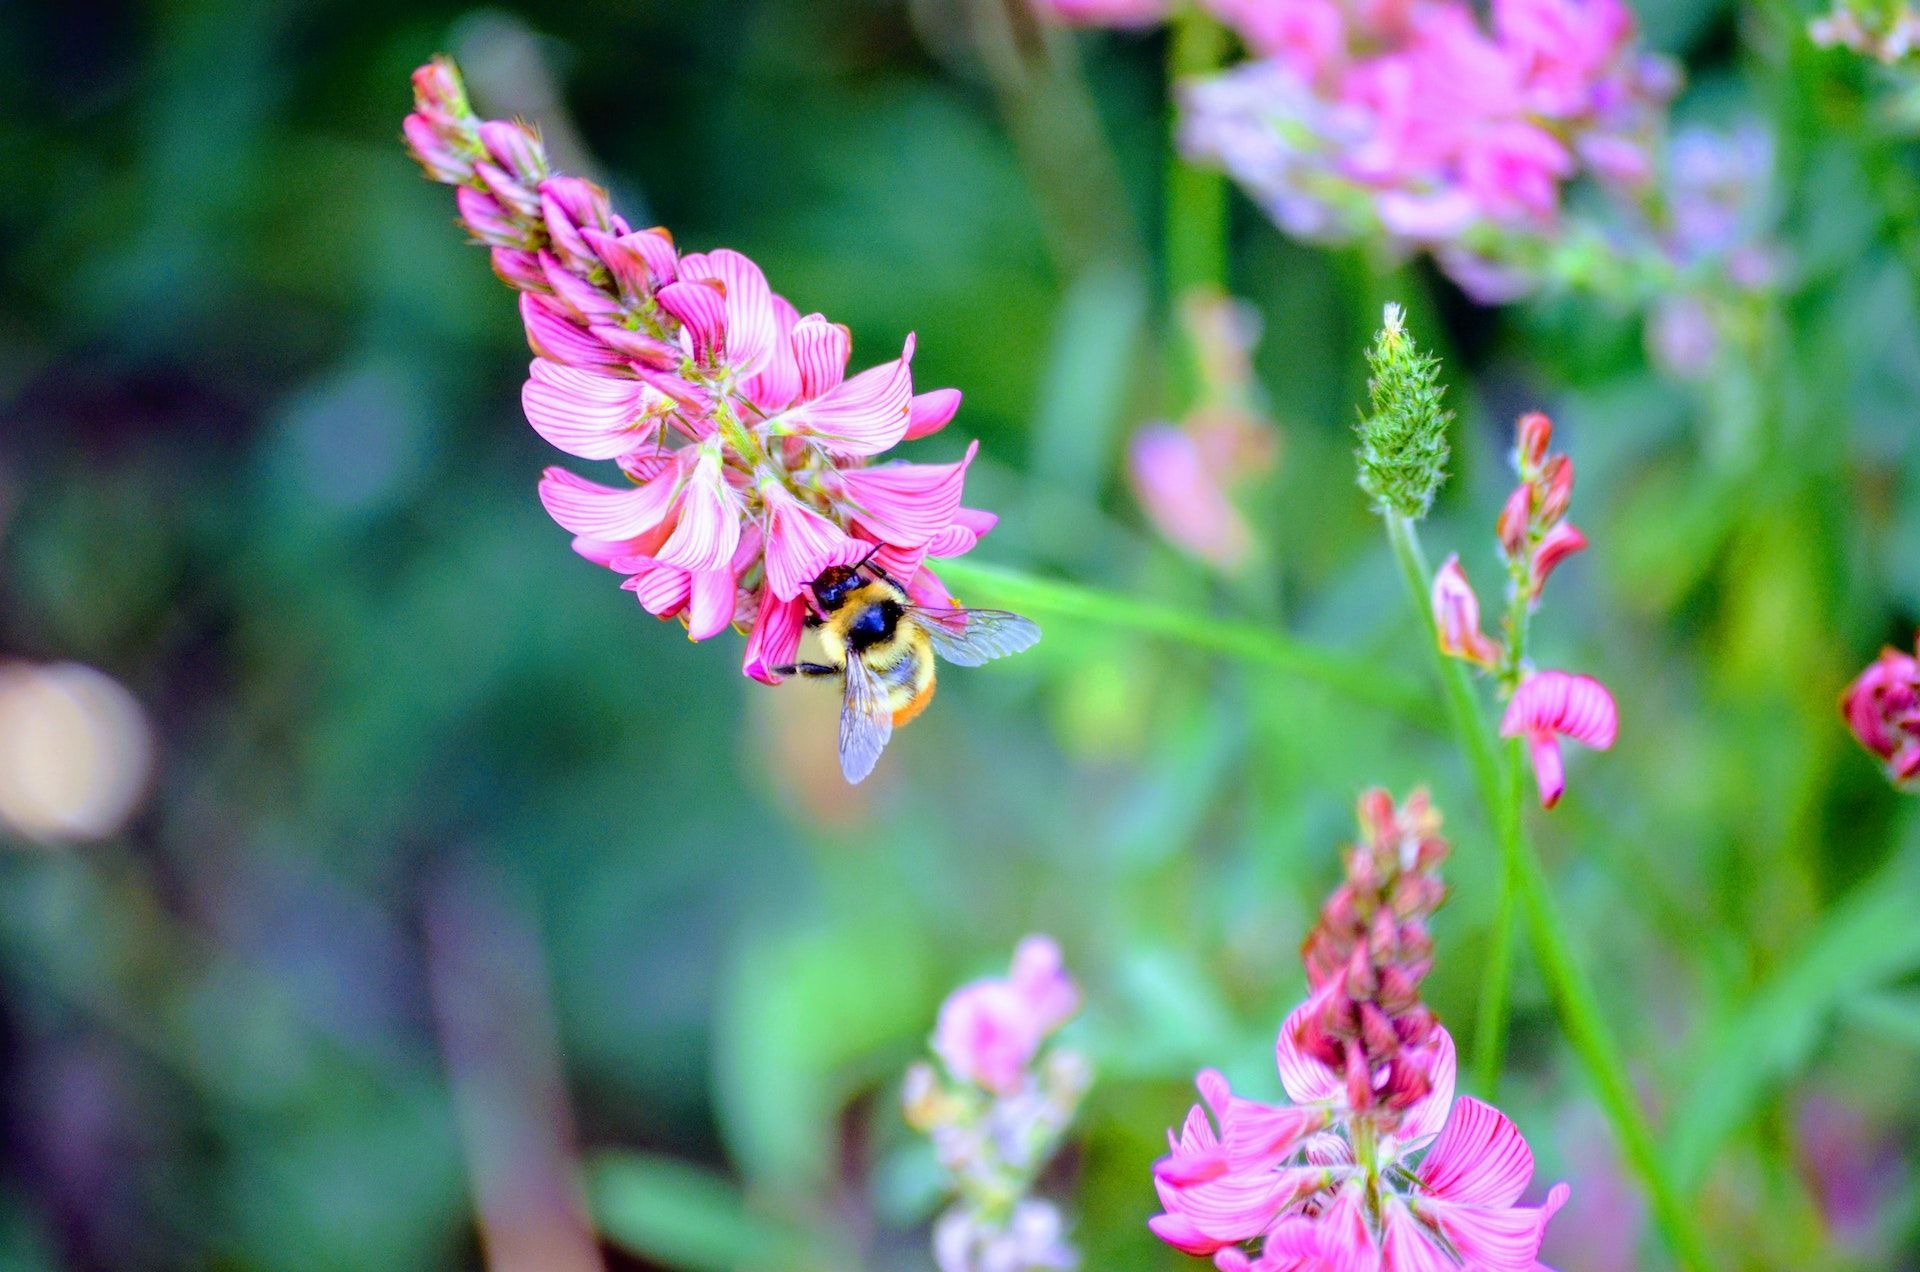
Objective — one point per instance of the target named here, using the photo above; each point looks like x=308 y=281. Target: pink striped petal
x=1503 y=1239
x=1561 y=702
x=710 y=598
x=1456 y=615
x=487 y=220
x=603 y=512
x=556 y=337
x=800 y=543
x=926 y=589
x=955 y=540
x=1426 y=1115
x=708 y=528
x=906 y=504
x=638 y=346
x=930 y=412
x=592 y=416
x=863 y=416
x=748 y=329
x=1480 y=1159
x=701 y=306
x=1549 y=767
x=820 y=350
x=639 y=262
x=587 y=303
x=775 y=637
x=778 y=383
x=1407 y=1245
x=660 y=589
x=1306 y=1080
x=518 y=270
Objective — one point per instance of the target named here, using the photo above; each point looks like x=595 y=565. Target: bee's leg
x=811 y=669
x=812 y=621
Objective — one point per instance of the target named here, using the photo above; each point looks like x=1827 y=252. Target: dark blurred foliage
x=456 y=866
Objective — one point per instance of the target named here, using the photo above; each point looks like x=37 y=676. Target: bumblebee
x=882 y=646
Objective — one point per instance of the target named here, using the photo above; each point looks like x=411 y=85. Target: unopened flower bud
x=1378 y=1033
x=438 y=91
x=1456 y=615
x=1398 y=991
x=1535 y=435
x=1556 y=490
x=1558 y=544
x=1359 y=1075
x=1516 y=521
x=1403 y=440
x=515 y=148
x=440 y=153
x=519 y=270
x=487 y=221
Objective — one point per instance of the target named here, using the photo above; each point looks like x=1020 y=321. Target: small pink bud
x=516 y=148
x=1376 y=814
x=1556 y=489
x=1536 y=434
x=1456 y=613
x=487 y=221
x=1378 y=1033
x=437 y=90
x=1362 y=981
x=1882 y=708
x=1516 y=521
x=1359 y=1079
x=442 y=157
x=1559 y=543
x=520 y=270
x=509 y=189
x=1398 y=991
x=568 y=245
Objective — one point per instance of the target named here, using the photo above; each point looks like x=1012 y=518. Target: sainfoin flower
x=1456 y=616
x=1420 y=124
x=745 y=445
x=1372 y=1163
x=996 y=1108
x=1550 y=705
x=1882 y=708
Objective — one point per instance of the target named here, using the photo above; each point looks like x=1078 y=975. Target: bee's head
x=833 y=585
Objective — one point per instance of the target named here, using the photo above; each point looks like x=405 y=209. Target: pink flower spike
x=1456 y=612
x=746 y=331
x=930 y=412
x=1552 y=704
x=862 y=416
x=1554 y=547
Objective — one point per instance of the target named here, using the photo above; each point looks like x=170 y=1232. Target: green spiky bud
x=1403 y=441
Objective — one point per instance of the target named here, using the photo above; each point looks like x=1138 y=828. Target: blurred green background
x=458 y=880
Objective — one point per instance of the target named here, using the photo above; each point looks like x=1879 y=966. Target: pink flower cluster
x=745 y=444
x=997 y=1112
x=1372 y=1165
x=1534 y=537
x=1417 y=122
x=1882 y=708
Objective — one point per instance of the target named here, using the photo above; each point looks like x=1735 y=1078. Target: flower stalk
x=1523 y=880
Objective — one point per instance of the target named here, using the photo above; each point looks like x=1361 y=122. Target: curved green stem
x=1357 y=678
x=1586 y=1028
x=1496 y=980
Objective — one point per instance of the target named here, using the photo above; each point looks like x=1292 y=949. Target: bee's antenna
x=861 y=564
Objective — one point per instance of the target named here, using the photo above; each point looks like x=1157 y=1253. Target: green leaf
x=1867 y=940
x=684 y=1217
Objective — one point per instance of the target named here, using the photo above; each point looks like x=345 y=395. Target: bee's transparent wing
x=969 y=637
x=866 y=723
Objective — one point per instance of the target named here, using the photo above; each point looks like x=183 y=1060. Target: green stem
x=1573 y=997
x=1357 y=678
x=1196 y=197
x=1496 y=980
x=1196 y=228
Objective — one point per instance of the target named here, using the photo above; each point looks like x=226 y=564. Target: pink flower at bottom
x=1450 y=1180
x=1550 y=705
